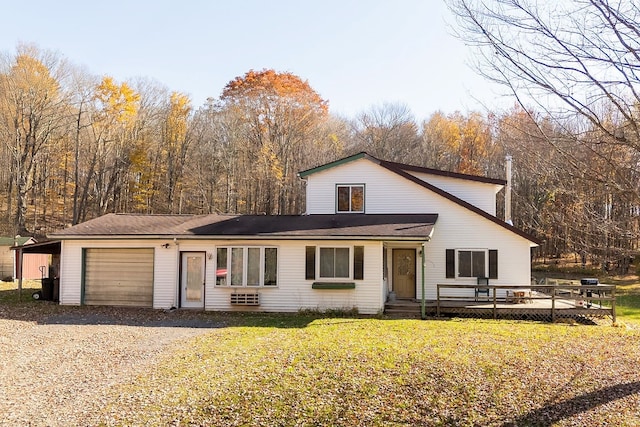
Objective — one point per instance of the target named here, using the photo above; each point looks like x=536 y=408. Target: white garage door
x=117 y=276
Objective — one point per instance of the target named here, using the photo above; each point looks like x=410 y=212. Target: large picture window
x=350 y=198
x=246 y=266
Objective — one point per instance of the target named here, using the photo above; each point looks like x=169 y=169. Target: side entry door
x=192 y=280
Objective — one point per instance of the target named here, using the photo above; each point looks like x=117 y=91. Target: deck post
x=553 y=304
x=613 y=304
x=437 y=300
x=494 y=304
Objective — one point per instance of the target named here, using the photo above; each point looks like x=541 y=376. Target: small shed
x=31 y=262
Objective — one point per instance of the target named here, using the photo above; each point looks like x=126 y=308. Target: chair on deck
x=482 y=281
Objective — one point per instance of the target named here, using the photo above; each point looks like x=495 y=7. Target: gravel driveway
x=58 y=363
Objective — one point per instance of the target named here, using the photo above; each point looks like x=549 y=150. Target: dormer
x=362 y=184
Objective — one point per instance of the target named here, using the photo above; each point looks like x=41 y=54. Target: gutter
x=238 y=237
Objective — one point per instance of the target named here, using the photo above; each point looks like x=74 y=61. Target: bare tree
x=579 y=63
x=573 y=59
x=388 y=131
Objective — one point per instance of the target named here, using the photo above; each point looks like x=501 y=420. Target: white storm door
x=192 y=280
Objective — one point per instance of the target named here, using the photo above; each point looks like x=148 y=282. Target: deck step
x=403 y=309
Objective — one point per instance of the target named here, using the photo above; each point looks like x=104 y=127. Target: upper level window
x=350 y=198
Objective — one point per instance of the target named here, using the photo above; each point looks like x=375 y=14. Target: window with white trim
x=350 y=198
x=246 y=266
x=334 y=263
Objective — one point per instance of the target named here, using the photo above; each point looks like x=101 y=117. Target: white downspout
x=422 y=259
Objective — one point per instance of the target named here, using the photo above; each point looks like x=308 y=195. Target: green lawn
x=9 y=292
x=295 y=370
x=305 y=370
x=628 y=307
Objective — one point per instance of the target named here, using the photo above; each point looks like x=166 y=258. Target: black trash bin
x=56 y=290
x=47 y=289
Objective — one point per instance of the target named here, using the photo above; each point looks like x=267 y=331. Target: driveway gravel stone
x=57 y=364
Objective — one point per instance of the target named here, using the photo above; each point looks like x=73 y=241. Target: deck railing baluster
x=552 y=301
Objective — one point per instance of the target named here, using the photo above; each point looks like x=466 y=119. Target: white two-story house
x=371 y=227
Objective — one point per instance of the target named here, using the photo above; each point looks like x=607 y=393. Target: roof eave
x=339 y=162
x=460 y=202
x=241 y=237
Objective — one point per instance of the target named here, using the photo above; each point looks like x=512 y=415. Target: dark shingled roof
x=399 y=226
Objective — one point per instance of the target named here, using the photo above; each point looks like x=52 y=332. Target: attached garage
x=118 y=276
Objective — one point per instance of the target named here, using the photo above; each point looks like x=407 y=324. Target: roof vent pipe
x=507 y=193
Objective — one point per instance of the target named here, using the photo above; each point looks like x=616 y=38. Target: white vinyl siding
x=70 y=273
x=165 y=286
x=457 y=227
x=387 y=192
x=118 y=276
x=293 y=292
x=479 y=194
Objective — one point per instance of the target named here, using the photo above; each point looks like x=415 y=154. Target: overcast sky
x=354 y=53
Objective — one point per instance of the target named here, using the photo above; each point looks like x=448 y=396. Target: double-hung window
x=339 y=262
x=246 y=266
x=472 y=263
x=350 y=198
x=334 y=263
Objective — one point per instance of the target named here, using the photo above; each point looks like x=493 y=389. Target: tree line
x=76 y=146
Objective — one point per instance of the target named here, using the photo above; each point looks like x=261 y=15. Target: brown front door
x=404 y=273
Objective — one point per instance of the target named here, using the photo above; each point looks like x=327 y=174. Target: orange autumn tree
x=280 y=115
x=457 y=143
x=174 y=146
x=113 y=124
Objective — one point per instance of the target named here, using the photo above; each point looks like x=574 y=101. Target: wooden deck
x=539 y=302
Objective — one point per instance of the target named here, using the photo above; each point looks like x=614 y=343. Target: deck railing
x=577 y=299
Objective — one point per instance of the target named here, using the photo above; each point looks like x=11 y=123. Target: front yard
x=363 y=372
x=100 y=366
